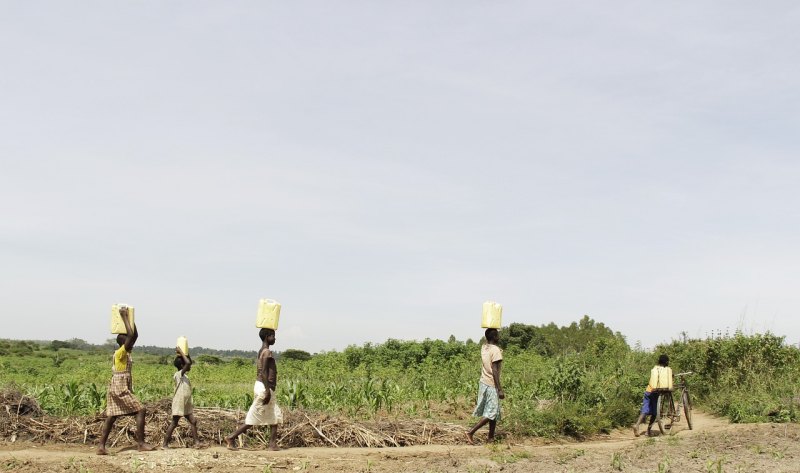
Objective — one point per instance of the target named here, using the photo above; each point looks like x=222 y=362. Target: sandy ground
x=713 y=446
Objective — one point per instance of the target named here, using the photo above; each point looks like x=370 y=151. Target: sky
x=382 y=168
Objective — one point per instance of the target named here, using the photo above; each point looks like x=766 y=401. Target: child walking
x=489 y=390
x=120 y=400
x=182 y=405
x=264 y=410
x=660 y=379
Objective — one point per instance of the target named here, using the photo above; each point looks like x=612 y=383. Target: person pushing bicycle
x=660 y=380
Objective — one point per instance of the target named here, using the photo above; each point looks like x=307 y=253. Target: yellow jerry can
x=183 y=344
x=492 y=315
x=269 y=313
x=117 y=326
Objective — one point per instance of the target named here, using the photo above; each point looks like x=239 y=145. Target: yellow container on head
x=117 y=326
x=183 y=344
x=269 y=313
x=492 y=315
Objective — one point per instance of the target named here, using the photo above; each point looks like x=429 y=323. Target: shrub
x=209 y=360
x=292 y=354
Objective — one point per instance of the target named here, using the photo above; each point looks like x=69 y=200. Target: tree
x=552 y=340
x=56 y=345
x=293 y=354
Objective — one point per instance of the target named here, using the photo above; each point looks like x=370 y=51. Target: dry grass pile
x=15 y=403
x=21 y=418
x=323 y=430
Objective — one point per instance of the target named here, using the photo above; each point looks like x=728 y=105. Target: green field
x=578 y=380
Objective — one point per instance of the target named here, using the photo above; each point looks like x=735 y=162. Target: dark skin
x=264 y=371
x=127 y=340
x=492 y=422
x=187 y=366
x=642 y=418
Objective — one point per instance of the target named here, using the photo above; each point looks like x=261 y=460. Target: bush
x=239 y=361
x=209 y=360
x=747 y=378
x=292 y=354
x=56 y=345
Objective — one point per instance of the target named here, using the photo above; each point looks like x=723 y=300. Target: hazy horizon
x=718 y=332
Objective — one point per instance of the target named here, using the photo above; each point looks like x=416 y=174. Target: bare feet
x=145 y=447
x=636 y=430
x=469 y=438
x=102 y=451
x=230 y=444
x=165 y=446
x=274 y=448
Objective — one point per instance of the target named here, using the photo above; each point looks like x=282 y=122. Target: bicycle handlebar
x=685 y=374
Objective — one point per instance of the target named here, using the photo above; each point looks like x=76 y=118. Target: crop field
x=580 y=382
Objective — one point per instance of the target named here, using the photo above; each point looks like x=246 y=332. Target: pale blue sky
x=382 y=168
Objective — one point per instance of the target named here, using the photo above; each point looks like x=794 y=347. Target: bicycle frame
x=668 y=412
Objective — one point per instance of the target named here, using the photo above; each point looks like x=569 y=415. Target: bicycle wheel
x=665 y=407
x=687 y=409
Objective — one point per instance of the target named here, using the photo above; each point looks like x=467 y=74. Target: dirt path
x=714 y=446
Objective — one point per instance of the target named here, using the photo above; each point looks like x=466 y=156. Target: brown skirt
x=120 y=400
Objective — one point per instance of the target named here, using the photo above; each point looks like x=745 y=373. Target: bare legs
x=143 y=447
x=170 y=429
x=640 y=420
x=140 y=443
x=636 y=425
x=192 y=425
x=481 y=423
x=650 y=425
x=273 y=437
x=230 y=441
x=107 y=424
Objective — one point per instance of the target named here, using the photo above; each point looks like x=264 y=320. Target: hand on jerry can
x=182 y=345
x=117 y=311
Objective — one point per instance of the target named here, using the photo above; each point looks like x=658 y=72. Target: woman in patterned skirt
x=489 y=390
x=120 y=400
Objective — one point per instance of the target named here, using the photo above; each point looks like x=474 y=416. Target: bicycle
x=667 y=413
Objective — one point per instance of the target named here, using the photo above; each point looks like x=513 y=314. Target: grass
x=664 y=466
x=567 y=457
x=616 y=461
x=12 y=463
x=715 y=466
x=438 y=391
x=578 y=394
x=505 y=454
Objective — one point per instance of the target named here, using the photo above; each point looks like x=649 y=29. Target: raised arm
x=132 y=333
x=187 y=362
